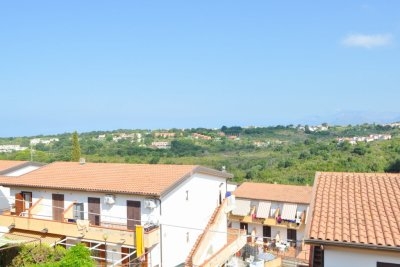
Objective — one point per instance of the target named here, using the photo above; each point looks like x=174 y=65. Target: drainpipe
x=161 y=234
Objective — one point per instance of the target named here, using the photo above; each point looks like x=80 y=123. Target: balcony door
x=266 y=233
x=94 y=210
x=58 y=207
x=133 y=214
x=23 y=201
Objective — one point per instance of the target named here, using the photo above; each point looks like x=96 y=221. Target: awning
x=263 y=209
x=31 y=237
x=242 y=207
x=289 y=212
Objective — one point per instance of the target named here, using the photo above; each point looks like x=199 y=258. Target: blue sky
x=106 y=65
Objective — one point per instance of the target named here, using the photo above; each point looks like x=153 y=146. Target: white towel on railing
x=83 y=225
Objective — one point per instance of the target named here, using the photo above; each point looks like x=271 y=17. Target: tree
x=394 y=167
x=76 y=150
x=38 y=255
x=78 y=255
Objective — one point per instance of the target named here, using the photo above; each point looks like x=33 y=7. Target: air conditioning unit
x=150 y=203
x=109 y=199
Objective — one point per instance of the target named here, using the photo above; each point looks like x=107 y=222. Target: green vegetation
x=45 y=256
x=283 y=154
x=76 y=149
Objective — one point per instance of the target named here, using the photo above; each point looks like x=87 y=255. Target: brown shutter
x=19 y=203
x=133 y=214
x=58 y=207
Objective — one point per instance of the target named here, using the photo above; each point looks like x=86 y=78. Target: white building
x=119 y=210
x=355 y=220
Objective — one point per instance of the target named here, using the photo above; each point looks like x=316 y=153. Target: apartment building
x=274 y=217
x=125 y=213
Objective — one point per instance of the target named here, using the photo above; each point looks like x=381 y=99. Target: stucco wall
x=337 y=256
x=185 y=214
x=4 y=198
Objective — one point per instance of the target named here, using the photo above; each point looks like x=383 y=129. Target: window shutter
x=19 y=203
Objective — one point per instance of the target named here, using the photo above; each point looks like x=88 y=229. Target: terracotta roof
x=274 y=192
x=359 y=209
x=142 y=179
x=7 y=164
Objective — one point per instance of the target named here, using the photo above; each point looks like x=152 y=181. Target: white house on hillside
x=126 y=213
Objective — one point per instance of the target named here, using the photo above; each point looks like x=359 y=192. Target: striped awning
x=263 y=209
x=289 y=212
x=242 y=207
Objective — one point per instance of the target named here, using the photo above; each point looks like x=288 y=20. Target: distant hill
x=283 y=154
x=354 y=117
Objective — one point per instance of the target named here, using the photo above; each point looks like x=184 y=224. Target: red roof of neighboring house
x=7 y=164
x=142 y=179
x=274 y=192
x=359 y=209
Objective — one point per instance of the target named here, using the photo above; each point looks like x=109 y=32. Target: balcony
x=284 y=224
x=114 y=233
x=271 y=221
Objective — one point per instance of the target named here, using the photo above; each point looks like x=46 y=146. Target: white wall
x=183 y=220
x=4 y=198
x=337 y=256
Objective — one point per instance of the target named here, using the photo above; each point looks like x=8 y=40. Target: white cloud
x=367 y=41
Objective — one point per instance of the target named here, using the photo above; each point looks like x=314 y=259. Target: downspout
x=161 y=234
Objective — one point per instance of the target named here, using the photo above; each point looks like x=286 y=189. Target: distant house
x=201 y=136
x=164 y=134
x=11 y=148
x=354 y=220
x=127 y=214
x=161 y=144
x=36 y=141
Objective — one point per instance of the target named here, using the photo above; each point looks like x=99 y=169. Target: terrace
x=114 y=229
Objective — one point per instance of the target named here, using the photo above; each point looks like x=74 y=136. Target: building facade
x=126 y=213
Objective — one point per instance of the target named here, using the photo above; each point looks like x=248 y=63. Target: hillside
x=282 y=154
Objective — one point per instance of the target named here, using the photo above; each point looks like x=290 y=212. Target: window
x=292 y=235
x=318 y=256
x=386 y=264
x=266 y=233
x=79 y=211
x=245 y=226
x=27 y=200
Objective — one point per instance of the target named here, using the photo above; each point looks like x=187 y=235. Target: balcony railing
x=268 y=221
x=113 y=231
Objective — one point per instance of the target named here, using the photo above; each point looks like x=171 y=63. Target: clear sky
x=107 y=65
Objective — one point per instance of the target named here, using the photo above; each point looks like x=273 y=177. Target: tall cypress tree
x=76 y=150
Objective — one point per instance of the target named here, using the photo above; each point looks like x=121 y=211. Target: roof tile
x=274 y=192
x=361 y=208
x=142 y=179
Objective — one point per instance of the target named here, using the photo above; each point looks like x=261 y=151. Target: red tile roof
x=142 y=179
x=274 y=192
x=7 y=164
x=361 y=209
